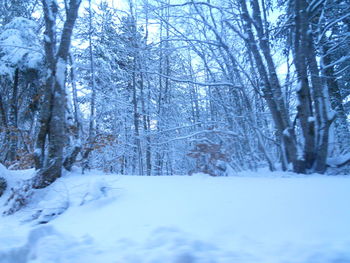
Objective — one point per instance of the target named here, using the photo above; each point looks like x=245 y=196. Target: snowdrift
x=270 y=218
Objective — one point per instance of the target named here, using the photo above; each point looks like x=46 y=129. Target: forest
x=174 y=131
x=162 y=87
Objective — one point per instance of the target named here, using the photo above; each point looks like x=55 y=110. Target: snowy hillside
x=267 y=218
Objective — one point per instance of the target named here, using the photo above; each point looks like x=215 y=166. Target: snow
x=299 y=86
x=19 y=46
x=338 y=160
x=37 y=151
x=331 y=114
x=61 y=72
x=311 y=119
x=286 y=132
x=254 y=217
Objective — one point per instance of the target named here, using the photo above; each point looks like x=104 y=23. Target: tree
x=21 y=62
x=10 y=9
x=150 y=85
x=331 y=27
x=52 y=115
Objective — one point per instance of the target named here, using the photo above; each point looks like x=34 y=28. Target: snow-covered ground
x=264 y=217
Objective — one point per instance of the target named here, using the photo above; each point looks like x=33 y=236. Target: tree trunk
x=313 y=109
x=305 y=111
x=341 y=122
x=12 y=124
x=271 y=88
x=92 y=131
x=53 y=117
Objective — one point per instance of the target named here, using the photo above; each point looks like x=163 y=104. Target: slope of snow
x=270 y=218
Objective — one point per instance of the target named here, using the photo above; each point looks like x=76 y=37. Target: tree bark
x=304 y=107
x=92 y=130
x=12 y=124
x=313 y=109
x=341 y=122
x=271 y=88
x=53 y=122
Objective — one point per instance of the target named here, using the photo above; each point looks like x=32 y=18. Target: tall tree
x=52 y=117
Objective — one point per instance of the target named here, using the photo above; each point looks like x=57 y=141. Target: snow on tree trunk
x=54 y=125
x=271 y=90
x=314 y=107
x=341 y=123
